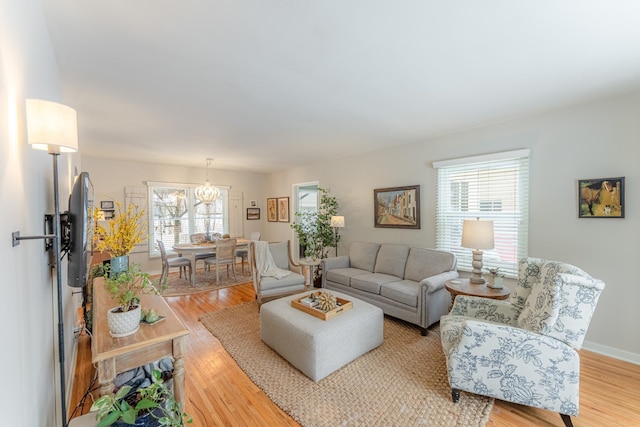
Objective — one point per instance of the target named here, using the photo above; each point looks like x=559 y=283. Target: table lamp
x=477 y=235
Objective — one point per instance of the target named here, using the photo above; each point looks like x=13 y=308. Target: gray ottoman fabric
x=319 y=347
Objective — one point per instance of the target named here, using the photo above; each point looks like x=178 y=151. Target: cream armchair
x=267 y=280
x=523 y=350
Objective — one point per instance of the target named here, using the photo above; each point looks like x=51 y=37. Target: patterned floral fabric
x=524 y=350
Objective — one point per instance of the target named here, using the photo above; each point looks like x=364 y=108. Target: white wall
x=28 y=319
x=109 y=177
x=593 y=140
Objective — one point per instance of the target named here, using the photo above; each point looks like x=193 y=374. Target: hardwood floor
x=220 y=394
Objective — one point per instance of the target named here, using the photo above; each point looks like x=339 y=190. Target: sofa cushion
x=404 y=292
x=344 y=275
x=371 y=282
x=392 y=259
x=293 y=279
x=363 y=255
x=423 y=263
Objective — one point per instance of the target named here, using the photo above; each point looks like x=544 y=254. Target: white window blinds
x=490 y=187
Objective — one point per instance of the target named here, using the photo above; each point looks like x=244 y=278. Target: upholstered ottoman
x=319 y=347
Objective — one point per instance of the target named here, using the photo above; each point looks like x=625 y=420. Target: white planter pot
x=125 y=323
x=495 y=281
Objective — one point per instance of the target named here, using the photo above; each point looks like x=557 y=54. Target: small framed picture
x=253 y=213
x=601 y=198
x=106 y=204
x=272 y=210
x=283 y=209
x=253 y=203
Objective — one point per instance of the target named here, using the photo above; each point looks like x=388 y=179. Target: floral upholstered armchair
x=523 y=350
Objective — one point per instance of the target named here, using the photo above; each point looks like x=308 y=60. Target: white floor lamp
x=336 y=222
x=53 y=127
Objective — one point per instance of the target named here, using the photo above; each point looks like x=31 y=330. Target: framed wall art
x=283 y=209
x=253 y=213
x=106 y=204
x=397 y=207
x=601 y=198
x=272 y=210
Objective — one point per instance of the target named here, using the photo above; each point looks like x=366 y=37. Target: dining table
x=189 y=250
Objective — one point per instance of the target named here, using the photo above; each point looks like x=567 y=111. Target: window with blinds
x=175 y=213
x=490 y=187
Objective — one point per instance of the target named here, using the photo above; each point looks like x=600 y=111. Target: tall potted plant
x=125 y=288
x=121 y=234
x=314 y=228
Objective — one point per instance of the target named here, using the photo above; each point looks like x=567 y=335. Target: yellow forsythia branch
x=122 y=233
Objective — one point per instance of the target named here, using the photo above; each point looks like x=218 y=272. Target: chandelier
x=207 y=193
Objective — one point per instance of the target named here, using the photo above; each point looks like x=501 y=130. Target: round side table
x=309 y=270
x=464 y=287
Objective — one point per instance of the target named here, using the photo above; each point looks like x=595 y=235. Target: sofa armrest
x=485 y=309
x=436 y=282
x=341 y=261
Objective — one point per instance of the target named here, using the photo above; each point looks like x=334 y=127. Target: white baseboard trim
x=626 y=356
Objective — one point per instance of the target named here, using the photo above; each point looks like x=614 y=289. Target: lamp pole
x=58 y=256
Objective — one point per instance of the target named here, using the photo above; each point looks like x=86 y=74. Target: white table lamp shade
x=477 y=234
x=51 y=126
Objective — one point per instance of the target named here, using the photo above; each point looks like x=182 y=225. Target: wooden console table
x=148 y=344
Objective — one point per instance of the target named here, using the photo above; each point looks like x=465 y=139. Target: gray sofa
x=405 y=282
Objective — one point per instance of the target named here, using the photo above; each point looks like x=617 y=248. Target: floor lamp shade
x=337 y=221
x=477 y=235
x=51 y=126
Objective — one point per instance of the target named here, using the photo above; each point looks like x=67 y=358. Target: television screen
x=80 y=231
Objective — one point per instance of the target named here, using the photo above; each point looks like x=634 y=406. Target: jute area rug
x=401 y=383
x=182 y=286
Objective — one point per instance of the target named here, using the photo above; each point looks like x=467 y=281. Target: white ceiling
x=267 y=85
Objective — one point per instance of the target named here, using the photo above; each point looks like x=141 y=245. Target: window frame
x=500 y=180
x=193 y=215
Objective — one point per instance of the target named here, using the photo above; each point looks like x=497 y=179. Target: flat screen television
x=80 y=230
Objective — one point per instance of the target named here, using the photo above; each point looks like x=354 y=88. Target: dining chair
x=225 y=256
x=199 y=238
x=168 y=263
x=244 y=253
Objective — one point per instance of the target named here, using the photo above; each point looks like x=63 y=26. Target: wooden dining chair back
x=225 y=256
x=197 y=238
x=168 y=263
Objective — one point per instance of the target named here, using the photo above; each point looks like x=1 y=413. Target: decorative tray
x=304 y=304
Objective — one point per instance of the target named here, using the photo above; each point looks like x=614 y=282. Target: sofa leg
x=567 y=420
x=423 y=332
x=455 y=395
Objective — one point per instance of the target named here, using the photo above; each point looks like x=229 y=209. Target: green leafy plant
x=497 y=271
x=155 y=399
x=127 y=286
x=314 y=229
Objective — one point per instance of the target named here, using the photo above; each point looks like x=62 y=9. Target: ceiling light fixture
x=207 y=193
